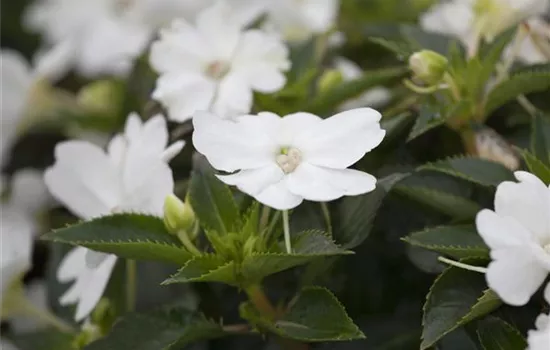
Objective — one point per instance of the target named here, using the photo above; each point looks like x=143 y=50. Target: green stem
x=462 y=265
x=131 y=285
x=264 y=219
x=286 y=227
x=184 y=238
x=258 y=298
x=326 y=214
x=46 y=316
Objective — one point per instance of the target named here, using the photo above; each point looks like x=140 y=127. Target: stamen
x=217 y=69
x=289 y=159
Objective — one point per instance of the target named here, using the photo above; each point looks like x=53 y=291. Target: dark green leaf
x=49 y=339
x=495 y=334
x=481 y=171
x=456 y=241
x=212 y=200
x=131 y=236
x=427 y=119
x=524 y=82
x=327 y=101
x=538 y=168
x=357 y=213
x=316 y=316
x=456 y=298
x=402 y=48
x=158 y=330
x=206 y=268
x=395 y=126
x=540 y=138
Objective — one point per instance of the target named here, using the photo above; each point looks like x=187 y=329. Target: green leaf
x=47 y=339
x=450 y=204
x=456 y=241
x=131 y=236
x=495 y=334
x=158 y=330
x=427 y=119
x=212 y=200
x=456 y=298
x=327 y=101
x=357 y=213
x=307 y=246
x=395 y=126
x=540 y=138
x=481 y=171
x=537 y=167
x=402 y=48
x=315 y=316
x=524 y=82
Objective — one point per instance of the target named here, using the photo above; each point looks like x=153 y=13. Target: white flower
x=539 y=339
x=374 y=97
x=132 y=176
x=283 y=161
x=215 y=65
x=529 y=52
x=467 y=20
x=518 y=233
x=298 y=20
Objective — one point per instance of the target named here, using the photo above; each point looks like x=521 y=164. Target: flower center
x=122 y=5
x=289 y=159
x=217 y=69
x=547 y=248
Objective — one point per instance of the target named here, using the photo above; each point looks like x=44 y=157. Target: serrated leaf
x=132 y=236
x=495 y=334
x=427 y=119
x=315 y=316
x=456 y=241
x=46 y=339
x=481 y=171
x=307 y=246
x=158 y=330
x=537 y=167
x=446 y=203
x=212 y=200
x=456 y=298
x=524 y=82
x=540 y=138
x=357 y=213
x=326 y=101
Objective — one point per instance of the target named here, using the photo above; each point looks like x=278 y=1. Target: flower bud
x=178 y=216
x=428 y=66
x=330 y=79
x=103 y=96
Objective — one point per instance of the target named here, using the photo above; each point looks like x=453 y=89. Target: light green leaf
x=158 y=330
x=456 y=241
x=205 y=268
x=540 y=138
x=537 y=167
x=524 y=82
x=456 y=298
x=481 y=171
x=402 y=48
x=131 y=236
x=357 y=213
x=212 y=200
x=327 y=101
x=495 y=334
x=315 y=316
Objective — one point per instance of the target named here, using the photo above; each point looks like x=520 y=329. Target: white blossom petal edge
x=282 y=161
x=215 y=65
x=518 y=234
x=539 y=338
x=132 y=176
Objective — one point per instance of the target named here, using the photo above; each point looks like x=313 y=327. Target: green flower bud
x=330 y=79
x=178 y=216
x=103 y=96
x=428 y=66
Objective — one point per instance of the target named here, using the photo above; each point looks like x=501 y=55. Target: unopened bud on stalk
x=178 y=216
x=330 y=79
x=103 y=96
x=428 y=66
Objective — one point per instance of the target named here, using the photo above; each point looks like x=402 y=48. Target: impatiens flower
x=539 y=34
x=282 y=161
x=132 y=176
x=374 y=97
x=298 y=20
x=539 y=339
x=215 y=65
x=518 y=233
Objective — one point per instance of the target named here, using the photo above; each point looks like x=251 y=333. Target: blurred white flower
x=36 y=295
x=529 y=51
x=375 y=97
x=298 y=20
x=282 y=161
x=215 y=65
x=518 y=233
x=132 y=176
x=469 y=20
x=6 y=345
x=539 y=339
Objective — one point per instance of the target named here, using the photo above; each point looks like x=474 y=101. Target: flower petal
x=231 y=146
x=233 y=97
x=341 y=140
x=501 y=232
x=324 y=184
x=72 y=265
x=254 y=181
x=278 y=196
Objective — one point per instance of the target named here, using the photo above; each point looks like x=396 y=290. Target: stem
x=131 y=281
x=521 y=34
x=455 y=91
x=237 y=328
x=184 y=238
x=469 y=141
x=527 y=105
x=462 y=265
x=260 y=300
x=264 y=219
x=46 y=316
x=286 y=227
x=328 y=220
